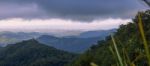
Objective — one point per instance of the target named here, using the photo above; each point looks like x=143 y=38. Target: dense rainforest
x=129 y=44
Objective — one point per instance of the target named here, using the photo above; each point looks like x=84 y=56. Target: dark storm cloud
x=71 y=9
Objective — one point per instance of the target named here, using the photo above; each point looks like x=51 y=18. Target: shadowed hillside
x=32 y=53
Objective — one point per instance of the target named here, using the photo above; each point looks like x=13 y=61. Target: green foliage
x=129 y=45
x=32 y=53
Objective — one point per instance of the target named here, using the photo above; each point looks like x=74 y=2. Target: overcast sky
x=54 y=15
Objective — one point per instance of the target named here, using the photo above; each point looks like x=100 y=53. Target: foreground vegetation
x=129 y=46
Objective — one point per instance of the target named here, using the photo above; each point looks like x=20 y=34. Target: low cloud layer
x=82 y=10
x=55 y=25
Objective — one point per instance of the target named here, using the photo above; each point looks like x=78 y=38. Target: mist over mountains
x=74 y=43
x=74 y=32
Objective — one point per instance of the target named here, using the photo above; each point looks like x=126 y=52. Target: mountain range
x=76 y=44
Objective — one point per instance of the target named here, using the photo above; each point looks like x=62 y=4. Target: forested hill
x=129 y=44
x=32 y=53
